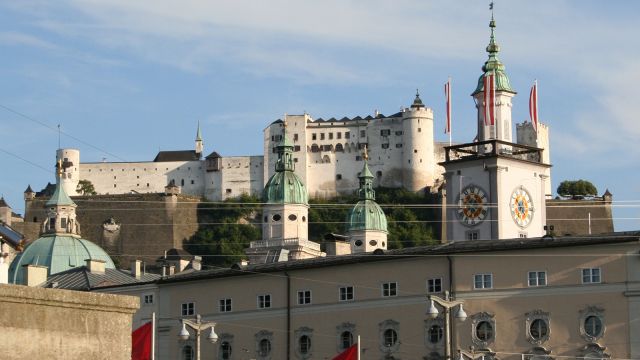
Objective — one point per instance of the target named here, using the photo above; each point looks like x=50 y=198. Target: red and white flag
x=489 y=99
x=533 y=105
x=447 y=94
x=350 y=353
x=141 y=342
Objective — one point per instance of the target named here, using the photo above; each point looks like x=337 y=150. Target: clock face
x=521 y=207
x=473 y=201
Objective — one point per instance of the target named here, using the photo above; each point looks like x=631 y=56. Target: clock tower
x=495 y=188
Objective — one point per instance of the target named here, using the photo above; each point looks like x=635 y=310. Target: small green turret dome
x=366 y=214
x=493 y=64
x=58 y=253
x=285 y=187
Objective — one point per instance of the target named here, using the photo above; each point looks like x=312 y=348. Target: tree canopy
x=577 y=188
x=85 y=187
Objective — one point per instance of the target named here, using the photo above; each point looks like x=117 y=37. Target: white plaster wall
x=293 y=222
x=241 y=175
x=418 y=161
x=144 y=177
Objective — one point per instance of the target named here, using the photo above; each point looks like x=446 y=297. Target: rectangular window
x=264 y=301
x=385 y=146
x=482 y=281
x=188 y=309
x=390 y=289
x=296 y=148
x=304 y=297
x=537 y=278
x=434 y=285
x=398 y=133
x=63 y=223
x=295 y=137
x=313 y=136
x=147 y=299
x=398 y=146
x=224 y=305
x=347 y=134
x=362 y=145
x=358 y=158
x=338 y=176
x=330 y=136
x=591 y=276
x=471 y=235
x=346 y=293
x=339 y=135
x=522 y=235
x=385 y=132
x=228 y=191
x=363 y=133
x=322 y=136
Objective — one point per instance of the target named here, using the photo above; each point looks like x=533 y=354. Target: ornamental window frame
x=225 y=338
x=304 y=334
x=530 y=318
x=476 y=320
x=383 y=328
x=428 y=325
x=259 y=337
x=594 y=351
x=538 y=353
x=340 y=330
x=592 y=312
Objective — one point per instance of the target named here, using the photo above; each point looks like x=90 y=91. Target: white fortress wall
x=241 y=175
x=144 y=177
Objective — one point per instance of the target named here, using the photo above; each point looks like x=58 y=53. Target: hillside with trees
x=227 y=228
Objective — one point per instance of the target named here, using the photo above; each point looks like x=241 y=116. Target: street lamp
x=198 y=326
x=447 y=304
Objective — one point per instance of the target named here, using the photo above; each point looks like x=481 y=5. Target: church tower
x=199 y=144
x=503 y=95
x=285 y=214
x=495 y=188
x=366 y=222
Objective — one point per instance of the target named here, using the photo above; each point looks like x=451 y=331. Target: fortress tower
x=418 y=163
x=69 y=161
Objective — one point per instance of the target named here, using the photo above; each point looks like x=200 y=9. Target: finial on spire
x=198 y=134
x=365 y=153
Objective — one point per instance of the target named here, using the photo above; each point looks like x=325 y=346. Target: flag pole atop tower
x=447 y=92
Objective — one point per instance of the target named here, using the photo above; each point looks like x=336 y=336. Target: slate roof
x=461 y=247
x=177 y=155
x=80 y=278
x=11 y=236
x=3 y=203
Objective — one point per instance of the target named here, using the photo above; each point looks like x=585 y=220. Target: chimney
x=95 y=266
x=35 y=274
x=136 y=268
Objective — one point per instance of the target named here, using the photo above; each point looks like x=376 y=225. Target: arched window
x=187 y=352
x=304 y=344
x=346 y=339
x=325 y=159
x=264 y=348
x=339 y=148
x=390 y=337
x=225 y=350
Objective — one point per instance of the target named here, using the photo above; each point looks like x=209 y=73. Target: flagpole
x=153 y=335
x=449 y=110
x=358 y=347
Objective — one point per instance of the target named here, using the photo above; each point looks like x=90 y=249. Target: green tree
x=85 y=187
x=575 y=188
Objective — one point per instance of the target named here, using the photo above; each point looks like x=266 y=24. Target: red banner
x=351 y=353
x=141 y=342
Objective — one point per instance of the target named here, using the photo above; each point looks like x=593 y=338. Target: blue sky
x=127 y=78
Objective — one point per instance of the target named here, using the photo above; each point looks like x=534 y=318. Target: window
x=188 y=309
x=398 y=133
x=322 y=136
x=295 y=137
x=338 y=176
x=484 y=331
x=228 y=191
x=193 y=182
x=225 y=350
x=358 y=158
x=187 y=352
x=537 y=278
x=363 y=133
x=346 y=339
x=276 y=217
x=471 y=235
x=591 y=276
x=435 y=334
x=419 y=130
x=313 y=136
x=346 y=293
x=63 y=223
x=385 y=132
x=539 y=329
x=264 y=301
x=390 y=289
x=330 y=136
x=390 y=338
x=296 y=148
x=224 y=305
x=147 y=299
x=293 y=217
x=593 y=326
x=304 y=297
x=304 y=344
x=398 y=146
x=522 y=235
x=385 y=146
x=379 y=173
x=483 y=281
x=434 y=285
x=347 y=134
x=264 y=348
x=339 y=135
